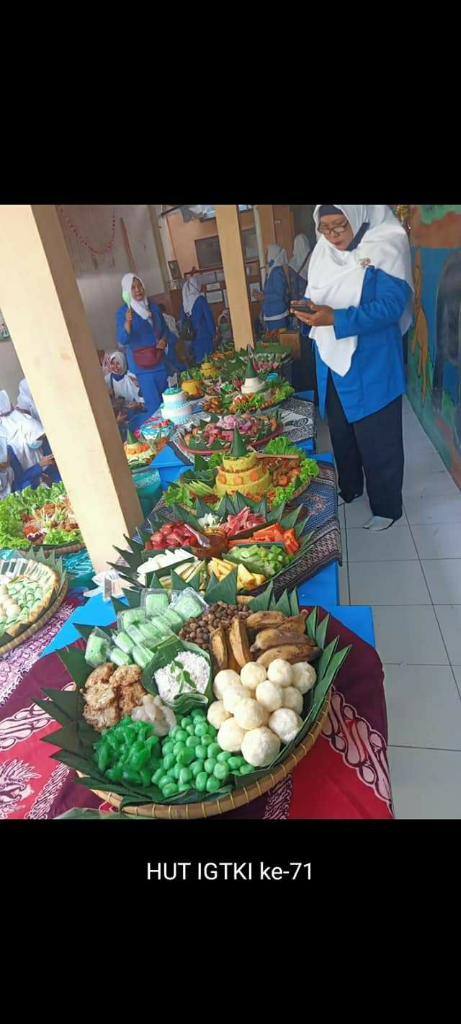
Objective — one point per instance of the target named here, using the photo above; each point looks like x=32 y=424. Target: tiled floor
x=411 y=577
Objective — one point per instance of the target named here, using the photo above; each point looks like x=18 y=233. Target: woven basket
x=230 y=802
x=36 y=626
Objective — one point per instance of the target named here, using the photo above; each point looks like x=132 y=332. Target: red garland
x=96 y=252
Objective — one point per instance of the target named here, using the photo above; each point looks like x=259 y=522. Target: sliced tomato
x=158 y=537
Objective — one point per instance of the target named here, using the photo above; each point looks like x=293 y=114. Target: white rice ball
x=279 y=672
x=286 y=724
x=252 y=674
x=232 y=695
x=217 y=714
x=292 y=699
x=304 y=676
x=222 y=680
x=250 y=713
x=230 y=736
x=270 y=695
x=260 y=746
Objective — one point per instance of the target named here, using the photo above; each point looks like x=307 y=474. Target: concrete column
x=230 y=241
x=44 y=311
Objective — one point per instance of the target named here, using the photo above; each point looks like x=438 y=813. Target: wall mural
x=434 y=357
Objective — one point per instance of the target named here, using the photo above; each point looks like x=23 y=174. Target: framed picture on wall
x=4 y=332
x=174 y=270
x=214 y=296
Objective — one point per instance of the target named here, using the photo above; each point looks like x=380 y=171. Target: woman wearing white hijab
x=25 y=435
x=276 y=295
x=360 y=294
x=123 y=388
x=298 y=266
x=149 y=344
x=198 y=328
x=25 y=402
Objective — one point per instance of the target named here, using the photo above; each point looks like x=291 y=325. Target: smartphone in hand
x=301 y=306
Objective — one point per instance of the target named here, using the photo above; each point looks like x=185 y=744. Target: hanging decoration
x=76 y=232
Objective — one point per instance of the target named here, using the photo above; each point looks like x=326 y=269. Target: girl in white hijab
x=191 y=290
x=25 y=402
x=359 y=298
x=198 y=328
x=120 y=383
x=297 y=267
x=276 y=295
x=25 y=435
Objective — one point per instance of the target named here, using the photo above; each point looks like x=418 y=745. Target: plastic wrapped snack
x=188 y=604
x=119 y=658
x=97 y=648
x=142 y=656
x=154 y=602
x=134 y=633
x=148 y=630
x=173 y=619
x=130 y=616
x=123 y=641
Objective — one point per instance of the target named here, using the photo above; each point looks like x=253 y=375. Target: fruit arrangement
x=35 y=517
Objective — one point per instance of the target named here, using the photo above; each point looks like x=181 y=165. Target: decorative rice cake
x=24 y=598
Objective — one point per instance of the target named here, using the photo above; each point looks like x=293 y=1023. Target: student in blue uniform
x=297 y=267
x=149 y=344
x=13 y=477
x=25 y=436
x=195 y=307
x=276 y=295
x=361 y=293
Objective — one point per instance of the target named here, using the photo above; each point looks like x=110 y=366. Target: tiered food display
x=138 y=453
x=280 y=473
x=28 y=588
x=201 y=712
x=38 y=517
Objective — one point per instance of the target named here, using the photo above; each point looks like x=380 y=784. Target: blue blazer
x=203 y=322
x=376 y=375
x=144 y=333
x=276 y=299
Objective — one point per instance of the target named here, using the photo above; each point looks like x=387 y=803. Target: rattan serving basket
x=229 y=802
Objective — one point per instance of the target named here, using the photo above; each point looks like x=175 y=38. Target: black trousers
x=373 y=446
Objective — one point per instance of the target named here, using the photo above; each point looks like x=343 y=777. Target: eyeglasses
x=333 y=231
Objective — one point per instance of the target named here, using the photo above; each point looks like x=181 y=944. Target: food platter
x=217 y=434
x=36 y=587
x=279 y=474
x=29 y=517
x=125 y=717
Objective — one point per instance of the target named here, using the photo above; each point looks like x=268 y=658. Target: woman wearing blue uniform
x=360 y=292
x=298 y=265
x=276 y=295
x=195 y=306
x=30 y=453
x=149 y=344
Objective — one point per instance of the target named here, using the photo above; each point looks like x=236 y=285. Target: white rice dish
x=168 y=684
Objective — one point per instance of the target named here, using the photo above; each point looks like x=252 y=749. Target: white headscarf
x=26 y=402
x=5 y=404
x=278 y=255
x=126 y=387
x=6 y=475
x=20 y=430
x=190 y=292
x=142 y=308
x=299 y=260
x=336 y=277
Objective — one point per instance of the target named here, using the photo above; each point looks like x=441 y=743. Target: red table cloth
x=344 y=776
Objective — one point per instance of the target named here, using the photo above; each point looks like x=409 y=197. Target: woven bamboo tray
x=36 y=626
x=230 y=802
x=62 y=549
